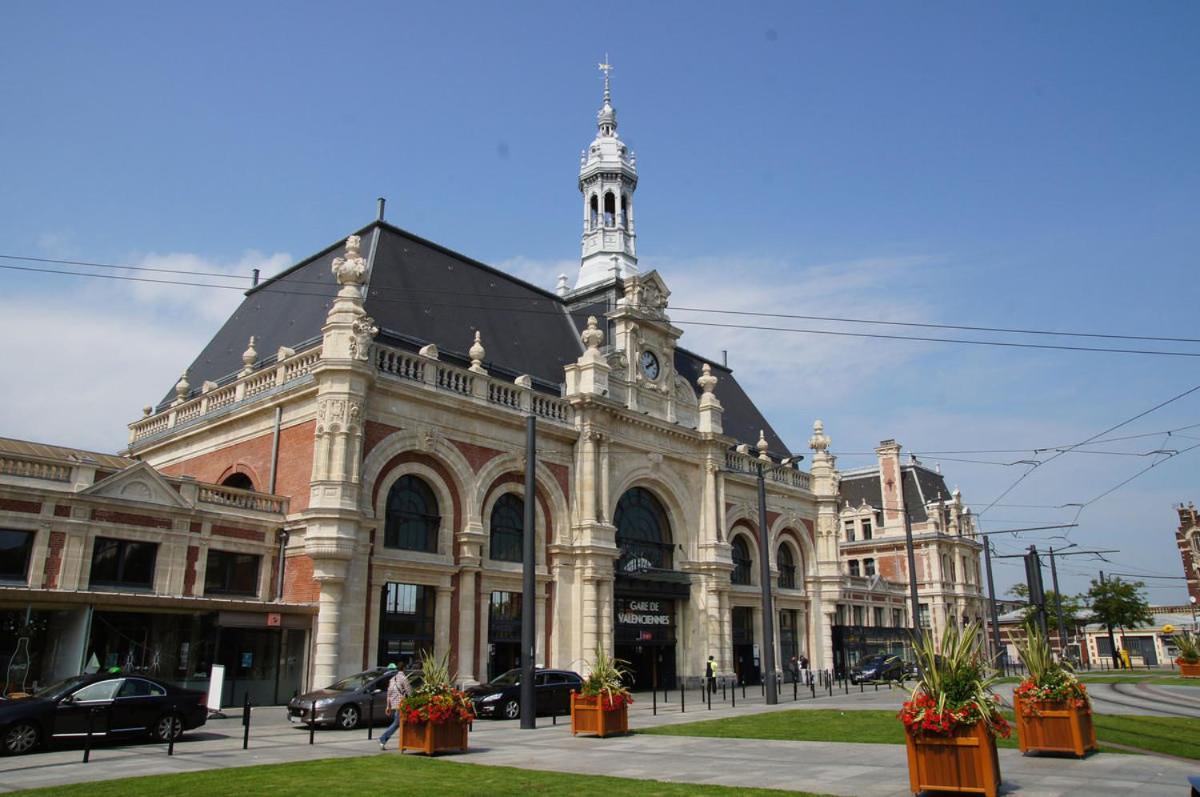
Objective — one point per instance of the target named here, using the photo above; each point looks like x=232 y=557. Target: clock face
x=649 y=364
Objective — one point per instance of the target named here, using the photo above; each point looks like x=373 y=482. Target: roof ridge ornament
x=477 y=353
x=350 y=268
x=706 y=380
x=762 y=445
x=819 y=441
x=593 y=336
x=249 y=357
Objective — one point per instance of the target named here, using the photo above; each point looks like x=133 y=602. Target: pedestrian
x=794 y=666
x=804 y=666
x=710 y=675
x=398 y=689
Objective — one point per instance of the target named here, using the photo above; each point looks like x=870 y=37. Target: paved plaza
x=825 y=767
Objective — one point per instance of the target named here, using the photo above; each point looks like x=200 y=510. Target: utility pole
x=768 y=620
x=912 y=577
x=1033 y=580
x=998 y=653
x=528 y=596
x=1062 y=634
x=1112 y=641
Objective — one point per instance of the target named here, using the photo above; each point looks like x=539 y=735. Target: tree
x=1072 y=605
x=1119 y=603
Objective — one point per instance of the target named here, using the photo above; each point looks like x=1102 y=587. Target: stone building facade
x=382 y=386
x=1187 y=537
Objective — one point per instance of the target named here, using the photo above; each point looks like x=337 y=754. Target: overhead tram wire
x=558 y=312
x=679 y=308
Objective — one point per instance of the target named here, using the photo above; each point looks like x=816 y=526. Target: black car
x=878 y=668
x=348 y=703
x=500 y=698
x=114 y=705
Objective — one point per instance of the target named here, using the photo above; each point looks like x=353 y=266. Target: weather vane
x=606 y=67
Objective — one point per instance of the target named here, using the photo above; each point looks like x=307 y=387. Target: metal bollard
x=312 y=722
x=171 y=733
x=762 y=685
x=682 y=698
x=812 y=687
x=87 y=742
x=862 y=687
x=723 y=698
x=246 y=723
x=795 y=689
x=654 y=700
x=371 y=716
x=743 y=689
x=709 y=692
x=733 y=692
x=554 y=715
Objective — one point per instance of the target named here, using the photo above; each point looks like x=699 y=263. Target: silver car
x=350 y=702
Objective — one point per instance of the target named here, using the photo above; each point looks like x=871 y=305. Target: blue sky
x=1019 y=164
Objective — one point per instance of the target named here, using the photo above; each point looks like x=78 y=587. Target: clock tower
x=607 y=180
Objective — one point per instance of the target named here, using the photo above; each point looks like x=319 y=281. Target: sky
x=1017 y=165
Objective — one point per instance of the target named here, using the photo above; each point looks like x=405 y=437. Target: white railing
x=281 y=373
x=780 y=474
x=34 y=469
x=493 y=390
x=242 y=499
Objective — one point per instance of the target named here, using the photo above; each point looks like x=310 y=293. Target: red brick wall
x=236 y=533
x=130 y=519
x=62 y=510
x=477 y=456
x=189 y=570
x=374 y=433
x=54 y=554
x=1188 y=519
x=299 y=586
x=292 y=477
x=13 y=505
x=892 y=568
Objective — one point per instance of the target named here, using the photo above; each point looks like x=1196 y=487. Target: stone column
x=327 y=659
x=540 y=646
x=441 y=621
x=468 y=658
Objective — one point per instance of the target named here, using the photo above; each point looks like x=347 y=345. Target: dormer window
x=849 y=528
x=866 y=528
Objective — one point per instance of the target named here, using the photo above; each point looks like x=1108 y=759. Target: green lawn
x=1171 y=735
x=384 y=774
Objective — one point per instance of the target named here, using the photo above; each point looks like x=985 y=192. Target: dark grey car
x=350 y=702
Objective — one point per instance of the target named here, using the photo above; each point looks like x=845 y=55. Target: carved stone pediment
x=139 y=482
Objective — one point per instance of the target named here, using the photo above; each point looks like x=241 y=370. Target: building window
x=508 y=523
x=866 y=528
x=123 y=563
x=741 y=561
x=849 y=527
x=16 y=547
x=858 y=615
x=966 y=570
x=412 y=516
x=868 y=567
x=853 y=565
x=238 y=481
x=406 y=622
x=643 y=533
x=923 y=614
x=230 y=573
x=897 y=618
x=841 y=614
x=787 y=568
x=877 y=616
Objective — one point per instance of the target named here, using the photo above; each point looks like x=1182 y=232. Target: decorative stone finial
x=182 y=388
x=525 y=381
x=706 y=380
x=819 y=441
x=561 y=289
x=249 y=357
x=350 y=269
x=477 y=353
x=593 y=336
x=762 y=445
x=148 y=410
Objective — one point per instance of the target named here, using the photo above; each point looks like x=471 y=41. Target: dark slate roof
x=419 y=292
x=920 y=486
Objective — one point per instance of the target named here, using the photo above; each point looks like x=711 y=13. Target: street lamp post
x=1192 y=598
x=768 y=609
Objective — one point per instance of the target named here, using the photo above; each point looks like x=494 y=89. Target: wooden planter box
x=1188 y=670
x=1054 y=727
x=963 y=761
x=588 y=717
x=428 y=738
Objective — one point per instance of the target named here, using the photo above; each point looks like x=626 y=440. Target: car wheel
x=169 y=726
x=21 y=738
x=512 y=710
x=347 y=717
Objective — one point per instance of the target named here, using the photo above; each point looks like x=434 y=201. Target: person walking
x=794 y=666
x=710 y=675
x=804 y=666
x=398 y=689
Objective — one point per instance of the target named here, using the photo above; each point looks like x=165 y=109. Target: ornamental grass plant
x=954 y=690
x=436 y=700
x=1189 y=647
x=606 y=682
x=1049 y=681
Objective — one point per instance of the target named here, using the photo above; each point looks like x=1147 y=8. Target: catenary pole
x=998 y=653
x=768 y=620
x=912 y=576
x=528 y=598
x=1062 y=632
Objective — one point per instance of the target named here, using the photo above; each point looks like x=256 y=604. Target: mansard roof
x=920 y=486
x=419 y=292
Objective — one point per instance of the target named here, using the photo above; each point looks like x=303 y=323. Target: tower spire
x=606 y=68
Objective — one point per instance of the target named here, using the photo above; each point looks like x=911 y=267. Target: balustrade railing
x=34 y=469
x=242 y=499
x=780 y=474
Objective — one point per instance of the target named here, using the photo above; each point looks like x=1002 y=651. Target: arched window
x=594 y=214
x=643 y=532
x=625 y=211
x=741 y=561
x=238 y=481
x=610 y=209
x=412 y=516
x=787 y=567
x=508 y=524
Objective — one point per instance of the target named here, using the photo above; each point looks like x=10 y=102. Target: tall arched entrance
x=647 y=589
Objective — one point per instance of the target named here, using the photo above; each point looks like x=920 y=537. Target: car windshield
x=510 y=678
x=54 y=691
x=353 y=682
